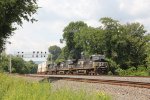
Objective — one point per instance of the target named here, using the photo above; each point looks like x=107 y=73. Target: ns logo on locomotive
x=95 y=65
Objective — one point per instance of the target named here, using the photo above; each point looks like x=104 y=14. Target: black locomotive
x=95 y=65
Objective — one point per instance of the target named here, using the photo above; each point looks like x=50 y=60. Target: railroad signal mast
x=34 y=54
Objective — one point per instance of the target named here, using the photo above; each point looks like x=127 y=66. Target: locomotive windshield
x=97 y=57
x=69 y=62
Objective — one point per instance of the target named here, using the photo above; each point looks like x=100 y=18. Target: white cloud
x=37 y=36
x=135 y=7
x=80 y=9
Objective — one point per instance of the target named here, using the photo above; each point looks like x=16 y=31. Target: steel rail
x=102 y=81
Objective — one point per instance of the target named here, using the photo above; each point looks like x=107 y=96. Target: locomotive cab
x=70 y=63
x=81 y=63
x=62 y=65
x=99 y=64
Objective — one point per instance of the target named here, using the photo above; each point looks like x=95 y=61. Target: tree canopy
x=18 y=64
x=12 y=13
x=124 y=44
x=54 y=52
x=72 y=51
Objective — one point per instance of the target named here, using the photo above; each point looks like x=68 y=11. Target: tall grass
x=18 y=89
x=140 y=71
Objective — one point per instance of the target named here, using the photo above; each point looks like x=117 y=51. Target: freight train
x=95 y=65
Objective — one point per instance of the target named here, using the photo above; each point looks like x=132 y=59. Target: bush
x=112 y=66
x=110 y=73
x=148 y=68
x=119 y=71
x=131 y=69
x=141 y=71
x=141 y=68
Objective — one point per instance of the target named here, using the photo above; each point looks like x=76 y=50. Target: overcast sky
x=56 y=14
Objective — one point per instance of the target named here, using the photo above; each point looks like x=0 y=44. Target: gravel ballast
x=116 y=92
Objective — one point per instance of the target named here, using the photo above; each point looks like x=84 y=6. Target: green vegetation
x=141 y=71
x=17 y=89
x=54 y=52
x=18 y=65
x=12 y=13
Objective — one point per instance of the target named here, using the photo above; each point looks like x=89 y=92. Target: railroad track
x=112 y=82
x=90 y=75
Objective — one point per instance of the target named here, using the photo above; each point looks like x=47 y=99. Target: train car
x=67 y=67
x=95 y=65
x=43 y=68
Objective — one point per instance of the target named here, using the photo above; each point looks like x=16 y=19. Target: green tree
x=91 y=40
x=62 y=57
x=73 y=52
x=125 y=44
x=4 y=62
x=133 y=48
x=55 y=51
x=148 y=49
x=31 y=67
x=12 y=13
x=111 y=28
x=18 y=65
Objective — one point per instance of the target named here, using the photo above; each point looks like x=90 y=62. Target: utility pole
x=10 y=65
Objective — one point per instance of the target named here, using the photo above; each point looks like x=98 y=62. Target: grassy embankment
x=18 y=89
